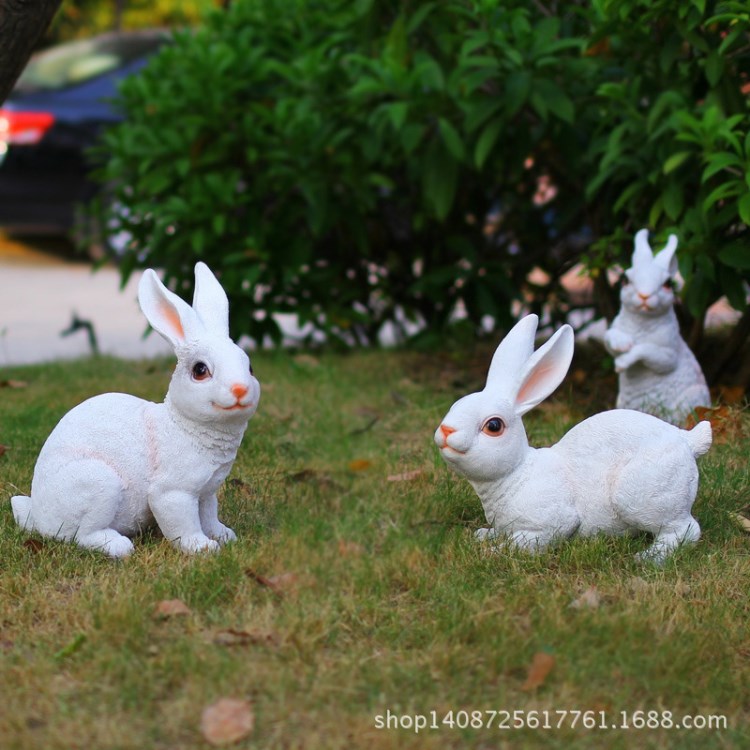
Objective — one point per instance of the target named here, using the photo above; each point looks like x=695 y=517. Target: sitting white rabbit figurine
x=116 y=463
x=658 y=373
x=616 y=472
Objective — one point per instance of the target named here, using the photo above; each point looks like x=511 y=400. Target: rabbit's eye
x=669 y=284
x=252 y=372
x=201 y=371
x=494 y=427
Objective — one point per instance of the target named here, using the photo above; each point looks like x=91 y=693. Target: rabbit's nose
x=643 y=296
x=446 y=430
x=239 y=390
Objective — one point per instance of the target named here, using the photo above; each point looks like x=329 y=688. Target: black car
x=50 y=120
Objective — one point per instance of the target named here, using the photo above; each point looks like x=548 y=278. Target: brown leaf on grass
x=232 y=637
x=304 y=475
x=227 y=721
x=283 y=581
x=741 y=518
x=261 y=580
x=350 y=549
x=589 y=599
x=405 y=476
x=540 y=667
x=359 y=464
x=3 y=448
x=723 y=421
x=278 y=584
x=171 y=608
x=313 y=476
x=13 y=384
x=732 y=394
x=34 y=545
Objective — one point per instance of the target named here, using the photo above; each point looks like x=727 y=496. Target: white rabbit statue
x=658 y=373
x=616 y=472
x=116 y=464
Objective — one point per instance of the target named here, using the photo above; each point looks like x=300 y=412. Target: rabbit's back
x=110 y=426
x=110 y=431
x=629 y=468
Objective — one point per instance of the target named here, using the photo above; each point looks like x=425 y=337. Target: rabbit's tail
x=22 y=511
x=699 y=438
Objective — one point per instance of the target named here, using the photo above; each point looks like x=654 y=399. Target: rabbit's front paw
x=618 y=342
x=624 y=361
x=222 y=534
x=196 y=543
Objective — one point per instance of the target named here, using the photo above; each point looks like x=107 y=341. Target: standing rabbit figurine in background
x=116 y=464
x=658 y=373
x=616 y=472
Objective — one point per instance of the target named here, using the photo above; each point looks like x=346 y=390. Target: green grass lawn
x=348 y=595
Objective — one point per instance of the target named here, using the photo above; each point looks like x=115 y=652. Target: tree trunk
x=22 y=24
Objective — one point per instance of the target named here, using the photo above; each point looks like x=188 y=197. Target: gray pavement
x=39 y=293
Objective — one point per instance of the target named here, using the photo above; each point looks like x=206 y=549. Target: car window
x=75 y=62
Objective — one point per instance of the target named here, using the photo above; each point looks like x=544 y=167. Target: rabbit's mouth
x=451 y=448
x=234 y=407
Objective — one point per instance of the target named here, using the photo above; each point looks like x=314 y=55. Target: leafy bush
x=363 y=163
x=672 y=145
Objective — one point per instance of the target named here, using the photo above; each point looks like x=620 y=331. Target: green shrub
x=672 y=144
x=359 y=163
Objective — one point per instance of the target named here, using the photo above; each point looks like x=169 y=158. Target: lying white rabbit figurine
x=116 y=463
x=658 y=373
x=615 y=472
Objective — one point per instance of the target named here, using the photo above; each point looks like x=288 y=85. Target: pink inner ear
x=530 y=389
x=173 y=320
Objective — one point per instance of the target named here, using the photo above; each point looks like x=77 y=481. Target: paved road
x=40 y=292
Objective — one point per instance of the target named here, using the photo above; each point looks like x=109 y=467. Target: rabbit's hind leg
x=668 y=539
x=79 y=502
x=109 y=541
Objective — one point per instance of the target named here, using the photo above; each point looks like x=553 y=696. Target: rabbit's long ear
x=168 y=315
x=210 y=301
x=545 y=370
x=666 y=258
x=642 y=254
x=512 y=353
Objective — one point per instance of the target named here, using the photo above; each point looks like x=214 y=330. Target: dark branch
x=22 y=25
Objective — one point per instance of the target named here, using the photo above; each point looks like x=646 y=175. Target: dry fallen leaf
x=13 y=384
x=405 y=476
x=171 y=608
x=724 y=421
x=350 y=549
x=34 y=545
x=732 y=394
x=589 y=599
x=359 y=464
x=232 y=637
x=283 y=581
x=3 y=448
x=313 y=476
x=279 y=584
x=541 y=665
x=227 y=721
x=742 y=519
